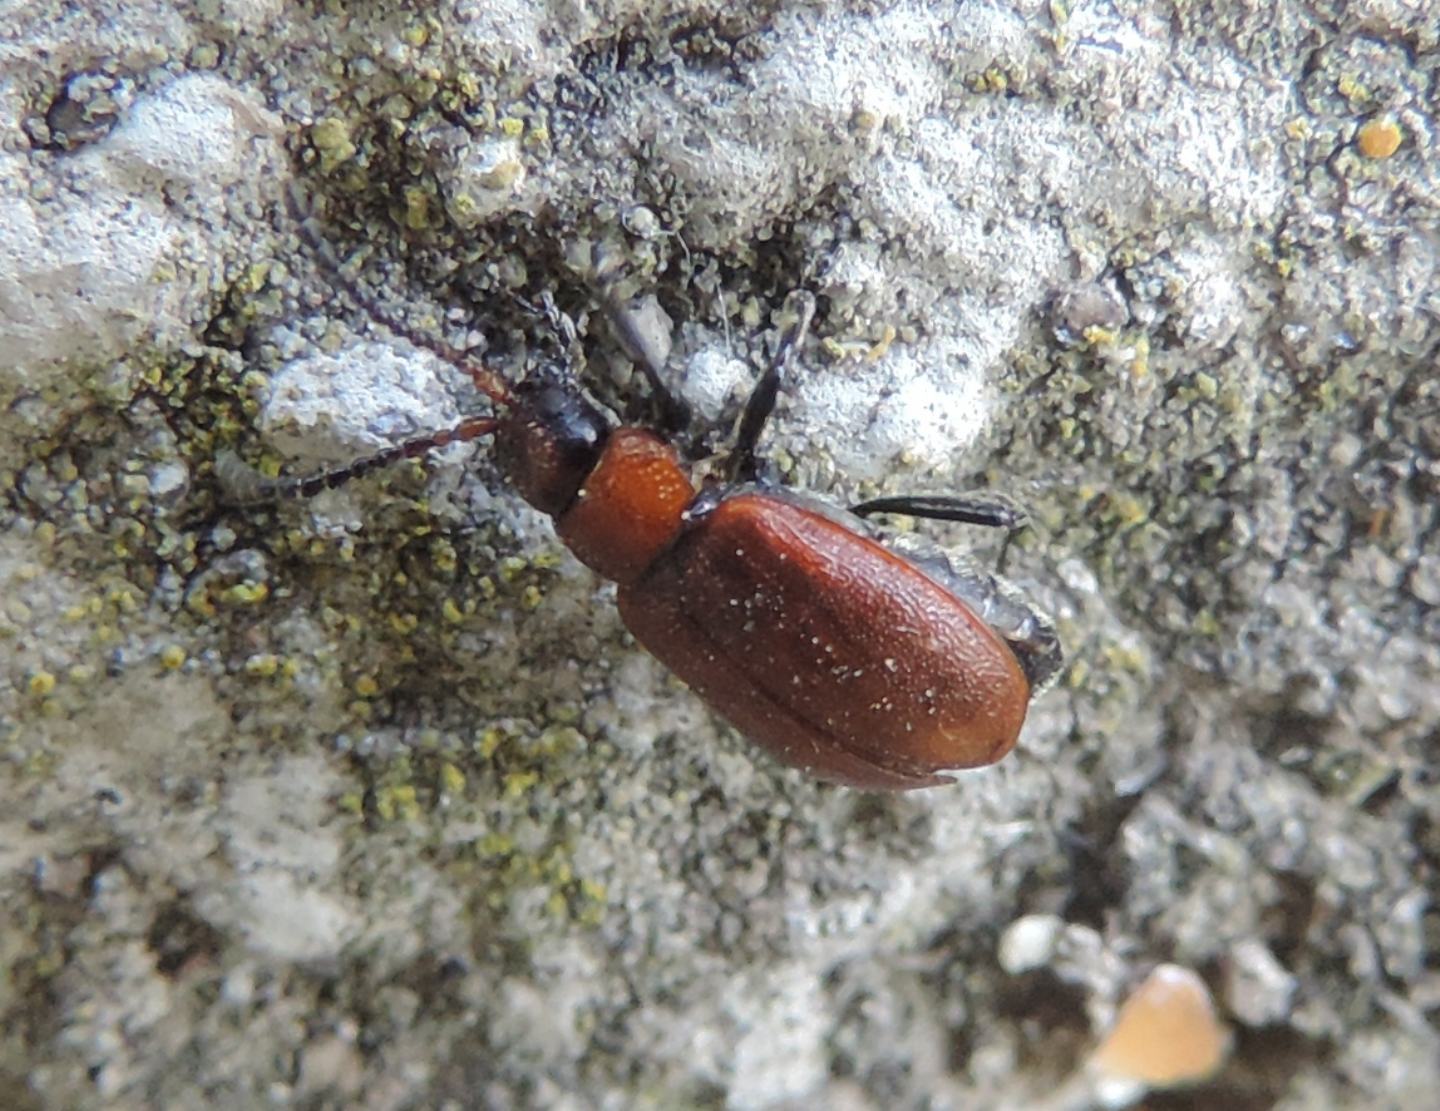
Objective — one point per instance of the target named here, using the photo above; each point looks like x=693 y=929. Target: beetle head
x=550 y=440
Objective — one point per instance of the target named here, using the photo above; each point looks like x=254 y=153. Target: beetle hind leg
x=967 y=509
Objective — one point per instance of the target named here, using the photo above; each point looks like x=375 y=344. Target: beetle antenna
x=244 y=485
x=486 y=380
x=800 y=309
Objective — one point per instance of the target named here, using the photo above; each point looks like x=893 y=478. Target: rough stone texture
x=368 y=800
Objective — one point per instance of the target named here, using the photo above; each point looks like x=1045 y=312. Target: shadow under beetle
x=876 y=663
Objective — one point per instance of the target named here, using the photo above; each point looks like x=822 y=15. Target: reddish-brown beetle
x=877 y=664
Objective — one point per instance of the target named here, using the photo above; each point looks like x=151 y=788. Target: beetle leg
x=644 y=333
x=742 y=466
x=673 y=414
x=968 y=509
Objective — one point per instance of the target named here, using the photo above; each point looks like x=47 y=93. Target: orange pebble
x=1166 y=1033
x=1379 y=138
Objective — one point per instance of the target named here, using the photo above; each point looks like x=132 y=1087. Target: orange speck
x=1379 y=138
x=1166 y=1033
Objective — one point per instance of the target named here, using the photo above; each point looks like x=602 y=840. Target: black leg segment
x=968 y=509
x=800 y=307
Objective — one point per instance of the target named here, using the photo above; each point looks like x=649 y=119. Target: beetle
x=871 y=662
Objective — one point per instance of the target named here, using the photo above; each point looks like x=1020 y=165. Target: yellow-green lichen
x=400 y=801
x=262 y=665
x=452 y=779
x=245 y=594
x=331 y=138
